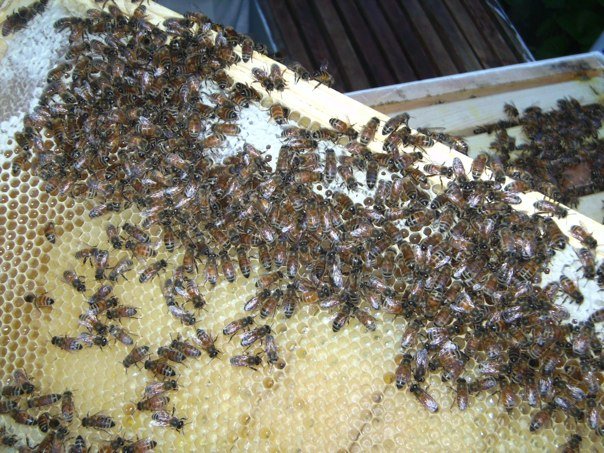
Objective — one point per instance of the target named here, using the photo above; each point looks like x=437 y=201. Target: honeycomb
x=336 y=391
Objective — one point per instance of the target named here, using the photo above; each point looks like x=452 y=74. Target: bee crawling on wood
x=323 y=77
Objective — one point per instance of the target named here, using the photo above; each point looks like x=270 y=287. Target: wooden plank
x=463 y=116
x=401 y=26
x=479 y=43
x=313 y=37
x=365 y=43
x=492 y=32
x=424 y=29
x=454 y=40
x=340 y=45
x=285 y=26
x=582 y=67
x=394 y=54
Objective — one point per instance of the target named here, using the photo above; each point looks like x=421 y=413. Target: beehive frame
x=357 y=408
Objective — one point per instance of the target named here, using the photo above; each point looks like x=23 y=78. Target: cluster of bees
x=54 y=414
x=133 y=125
x=103 y=307
x=562 y=156
x=19 y=19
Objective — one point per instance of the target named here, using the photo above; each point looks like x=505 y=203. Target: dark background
x=553 y=28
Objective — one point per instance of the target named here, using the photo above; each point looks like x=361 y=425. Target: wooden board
x=399 y=40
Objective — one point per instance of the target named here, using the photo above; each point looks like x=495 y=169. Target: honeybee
x=369 y=130
x=403 y=371
x=243 y=262
x=121 y=335
x=571 y=289
x=366 y=319
x=347 y=174
x=233 y=327
x=104 y=208
x=478 y=165
x=157 y=388
x=136 y=233
x=140 y=250
x=22 y=382
x=6 y=439
x=300 y=72
x=114 y=236
x=596 y=317
x=461 y=395
x=276 y=77
x=279 y=113
x=573 y=445
x=343 y=128
x=164 y=419
x=187 y=318
x=79 y=445
x=547 y=207
x=588 y=262
x=250 y=337
x=98 y=421
x=517 y=187
x=152 y=271
x=18 y=163
x=154 y=403
x=86 y=254
x=160 y=368
x=268 y=280
x=19 y=19
x=342 y=317
x=395 y=122
x=424 y=398
x=581 y=235
x=50 y=233
x=270 y=348
x=91 y=340
x=100 y=261
x=371 y=174
x=66 y=343
x=7 y=406
x=74 y=280
x=45 y=420
x=207 y=342
x=140 y=446
x=67 y=406
x=123 y=266
x=247 y=49
x=92 y=323
x=171 y=354
x=323 y=77
x=44 y=400
x=39 y=301
x=419 y=141
x=23 y=418
x=261 y=76
x=246 y=360
x=258 y=299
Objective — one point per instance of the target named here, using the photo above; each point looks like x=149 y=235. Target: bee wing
x=160 y=418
